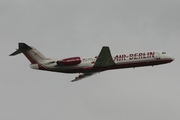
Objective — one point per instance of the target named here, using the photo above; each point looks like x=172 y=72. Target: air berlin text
x=134 y=56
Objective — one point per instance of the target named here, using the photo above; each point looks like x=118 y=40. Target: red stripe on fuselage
x=34 y=61
x=29 y=58
x=41 y=67
x=120 y=66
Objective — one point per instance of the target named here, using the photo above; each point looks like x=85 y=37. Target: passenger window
x=163 y=52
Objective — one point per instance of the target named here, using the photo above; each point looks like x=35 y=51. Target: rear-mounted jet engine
x=69 y=61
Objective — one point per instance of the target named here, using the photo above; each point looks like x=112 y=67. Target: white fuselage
x=89 y=66
x=132 y=60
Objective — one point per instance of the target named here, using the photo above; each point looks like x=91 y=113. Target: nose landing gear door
x=158 y=56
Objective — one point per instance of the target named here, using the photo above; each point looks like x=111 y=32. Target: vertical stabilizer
x=31 y=53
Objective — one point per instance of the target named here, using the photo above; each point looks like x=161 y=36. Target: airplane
x=87 y=66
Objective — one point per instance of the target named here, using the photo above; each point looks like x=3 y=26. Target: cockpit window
x=163 y=52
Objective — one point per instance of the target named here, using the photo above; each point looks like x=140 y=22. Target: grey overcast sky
x=67 y=28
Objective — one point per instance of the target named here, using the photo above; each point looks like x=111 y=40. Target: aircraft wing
x=82 y=75
x=104 y=58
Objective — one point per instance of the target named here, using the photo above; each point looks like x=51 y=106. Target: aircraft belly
x=133 y=64
x=81 y=68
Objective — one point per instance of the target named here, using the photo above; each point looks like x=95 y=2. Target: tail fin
x=31 y=53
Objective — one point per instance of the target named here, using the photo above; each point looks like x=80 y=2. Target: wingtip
x=73 y=80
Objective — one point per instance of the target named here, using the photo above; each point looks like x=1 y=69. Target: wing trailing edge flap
x=82 y=75
x=104 y=58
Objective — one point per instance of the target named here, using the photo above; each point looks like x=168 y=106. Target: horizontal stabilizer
x=22 y=48
x=16 y=52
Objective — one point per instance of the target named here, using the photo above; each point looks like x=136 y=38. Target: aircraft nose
x=170 y=58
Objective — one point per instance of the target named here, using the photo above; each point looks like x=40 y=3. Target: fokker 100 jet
x=89 y=66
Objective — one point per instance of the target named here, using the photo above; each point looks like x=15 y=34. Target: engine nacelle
x=69 y=61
